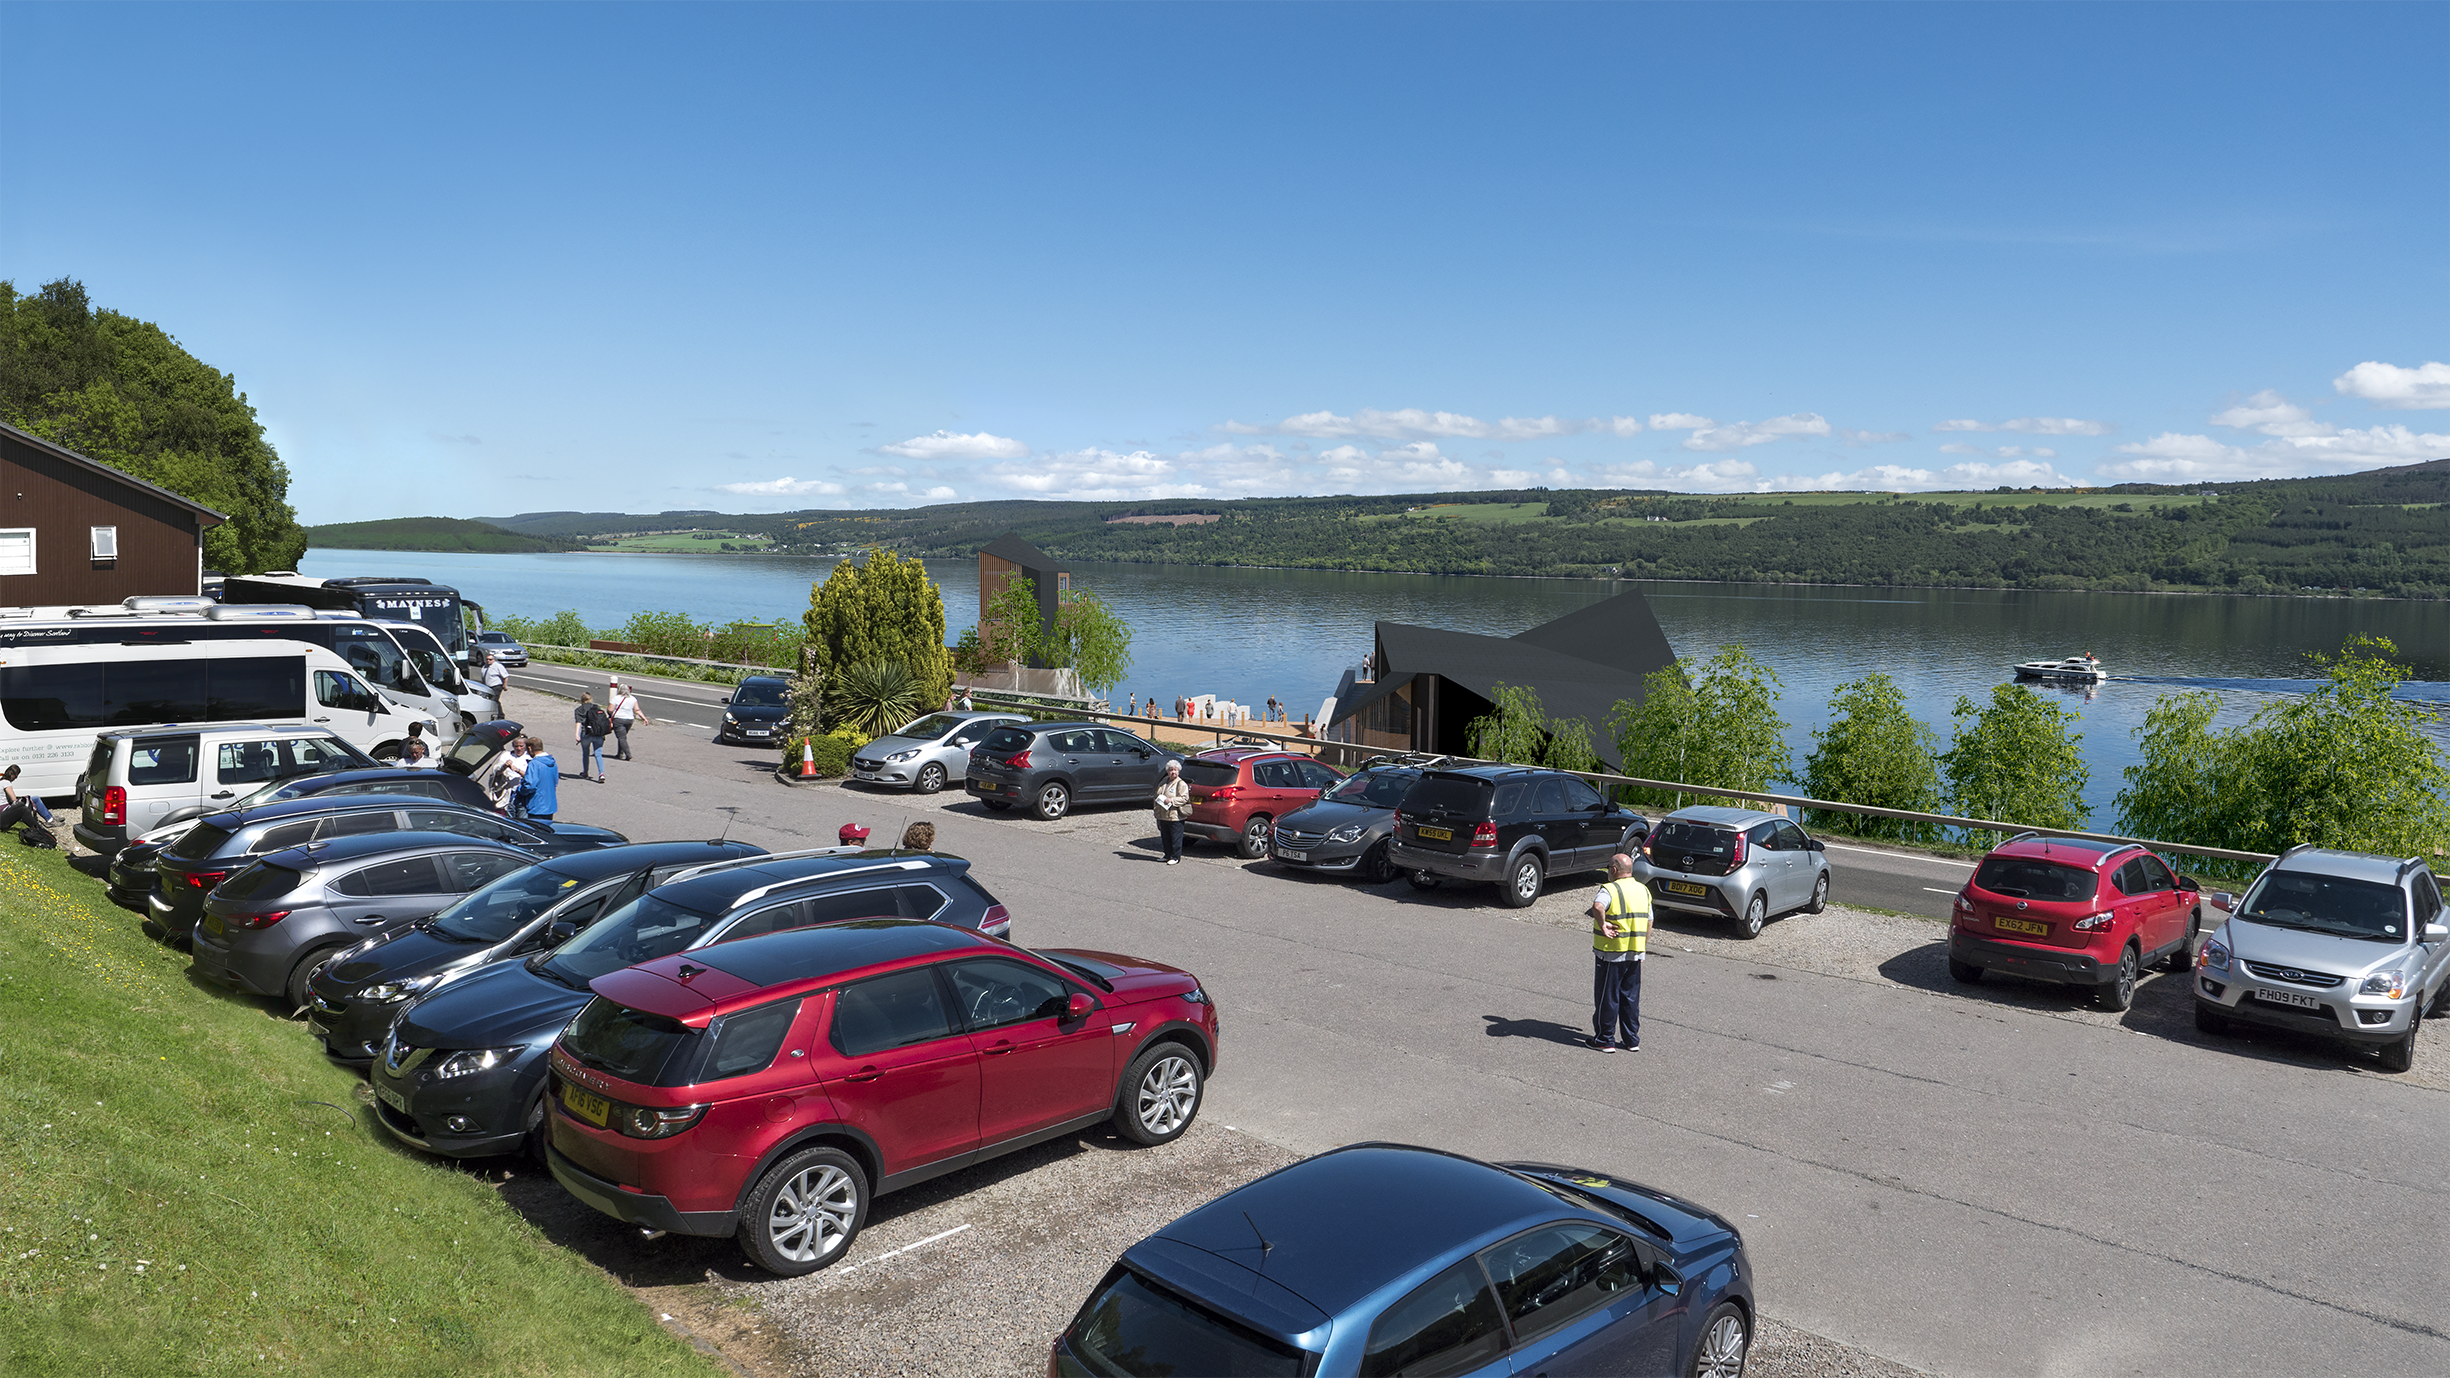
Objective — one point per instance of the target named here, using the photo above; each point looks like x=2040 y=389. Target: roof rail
x=764 y=890
x=734 y=863
x=2300 y=847
x=2021 y=837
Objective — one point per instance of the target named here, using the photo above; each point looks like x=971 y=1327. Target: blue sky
x=472 y=260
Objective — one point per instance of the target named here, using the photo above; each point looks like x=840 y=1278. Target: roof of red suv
x=697 y=985
x=2073 y=851
x=1239 y=754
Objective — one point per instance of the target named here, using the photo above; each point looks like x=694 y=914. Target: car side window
x=465 y=871
x=1447 y=1325
x=879 y=902
x=1318 y=777
x=336 y=690
x=2428 y=898
x=1551 y=797
x=747 y=1042
x=774 y=918
x=286 y=835
x=2130 y=879
x=357 y=824
x=1075 y=743
x=1766 y=838
x=1508 y=799
x=466 y=822
x=409 y=876
x=1124 y=744
x=893 y=1011
x=247 y=763
x=993 y=993
x=1549 y=1277
x=1791 y=838
x=1276 y=775
x=170 y=762
x=2156 y=875
x=1579 y=796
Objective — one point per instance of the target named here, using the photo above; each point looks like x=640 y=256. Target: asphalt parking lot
x=1993 y=1179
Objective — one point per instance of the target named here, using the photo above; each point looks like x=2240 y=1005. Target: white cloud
x=1717 y=474
x=2033 y=425
x=783 y=488
x=2003 y=452
x=939 y=494
x=2267 y=411
x=2020 y=473
x=947 y=445
x=1512 y=478
x=1414 y=423
x=1739 y=434
x=2426 y=387
x=1679 y=421
x=1861 y=438
x=2175 y=457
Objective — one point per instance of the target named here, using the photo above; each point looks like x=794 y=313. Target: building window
x=17 y=550
x=106 y=543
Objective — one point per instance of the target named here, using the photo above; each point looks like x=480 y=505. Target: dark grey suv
x=1350 y=831
x=1051 y=766
x=266 y=929
x=1511 y=826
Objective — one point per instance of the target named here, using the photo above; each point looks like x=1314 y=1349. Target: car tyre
x=1521 y=887
x=2218 y=1026
x=2182 y=961
x=1378 y=863
x=1964 y=973
x=2399 y=1054
x=1160 y=1096
x=301 y=976
x=931 y=779
x=804 y=1212
x=1255 y=837
x=1054 y=800
x=539 y=1133
x=1726 y=1341
x=2119 y=991
x=1422 y=880
x=1820 y=895
x=1755 y=915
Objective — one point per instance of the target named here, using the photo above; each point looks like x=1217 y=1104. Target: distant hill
x=432 y=533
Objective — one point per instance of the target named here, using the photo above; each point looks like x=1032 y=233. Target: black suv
x=462 y=1072
x=757 y=712
x=1050 y=766
x=1509 y=825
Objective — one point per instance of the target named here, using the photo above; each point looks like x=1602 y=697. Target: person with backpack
x=590 y=725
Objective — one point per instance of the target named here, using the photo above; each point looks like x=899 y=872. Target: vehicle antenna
x=1264 y=1246
x=730 y=816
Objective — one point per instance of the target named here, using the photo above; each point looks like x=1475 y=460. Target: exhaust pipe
x=644 y=1233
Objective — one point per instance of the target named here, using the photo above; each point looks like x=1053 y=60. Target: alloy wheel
x=1722 y=1349
x=931 y=779
x=1053 y=802
x=1255 y=837
x=1167 y=1095
x=812 y=1213
x=1527 y=881
x=1756 y=914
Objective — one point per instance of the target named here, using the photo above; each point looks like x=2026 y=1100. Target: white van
x=54 y=700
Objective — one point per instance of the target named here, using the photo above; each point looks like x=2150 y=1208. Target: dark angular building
x=1429 y=684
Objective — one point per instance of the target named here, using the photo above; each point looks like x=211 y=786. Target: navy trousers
x=1616 y=1001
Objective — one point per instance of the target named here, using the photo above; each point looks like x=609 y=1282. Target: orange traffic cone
x=808 y=761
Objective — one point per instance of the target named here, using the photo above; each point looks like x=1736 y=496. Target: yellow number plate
x=2039 y=930
x=1686 y=887
x=587 y=1105
x=212 y=924
x=1438 y=834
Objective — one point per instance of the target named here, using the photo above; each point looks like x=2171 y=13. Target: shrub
x=2016 y=761
x=1874 y=752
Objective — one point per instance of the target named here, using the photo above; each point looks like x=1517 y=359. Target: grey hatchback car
x=1050 y=766
x=266 y=929
x=1739 y=864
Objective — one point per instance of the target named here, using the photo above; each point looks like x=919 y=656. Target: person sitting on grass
x=27 y=809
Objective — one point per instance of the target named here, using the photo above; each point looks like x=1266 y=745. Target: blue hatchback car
x=1340 y=1265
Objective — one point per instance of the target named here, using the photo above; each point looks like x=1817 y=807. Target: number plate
x=1437 y=834
x=587 y=1105
x=211 y=924
x=1686 y=887
x=761 y=731
x=390 y=1097
x=2287 y=997
x=1285 y=855
x=2039 y=930
x=865 y=774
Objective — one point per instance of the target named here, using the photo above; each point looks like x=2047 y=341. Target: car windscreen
x=1006 y=741
x=929 y=729
x=641 y=931
x=1437 y=792
x=199 y=842
x=1379 y=789
x=496 y=911
x=2031 y=878
x=1135 y=1328
x=2327 y=904
x=1686 y=838
x=262 y=881
x=626 y=1043
x=1209 y=774
x=754 y=695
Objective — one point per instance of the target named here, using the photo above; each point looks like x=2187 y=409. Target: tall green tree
x=122 y=391
x=882 y=609
x=1511 y=730
x=2016 y=760
x=1092 y=639
x=1010 y=627
x=1569 y=746
x=1874 y=752
x=1715 y=725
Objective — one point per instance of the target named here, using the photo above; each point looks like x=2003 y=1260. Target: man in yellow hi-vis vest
x=1620 y=933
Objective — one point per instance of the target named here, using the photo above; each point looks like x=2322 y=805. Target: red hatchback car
x=2074 y=911
x=769 y=1088
x=1238 y=793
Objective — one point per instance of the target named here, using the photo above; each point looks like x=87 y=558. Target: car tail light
x=656 y=1122
x=997 y=916
x=1735 y=861
x=1224 y=794
x=114 y=806
x=2093 y=923
x=206 y=880
x=1484 y=835
x=259 y=920
x=1020 y=761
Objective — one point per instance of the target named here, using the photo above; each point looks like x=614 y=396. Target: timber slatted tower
x=1007 y=558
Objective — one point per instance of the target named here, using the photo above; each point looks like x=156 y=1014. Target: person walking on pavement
x=497 y=682
x=1132 y=709
x=1173 y=801
x=590 y=725
x=626 y=714
x=27 y=809
x=1620 y=934
x=539 y=790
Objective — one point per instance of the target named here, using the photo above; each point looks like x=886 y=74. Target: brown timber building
x=75 y=530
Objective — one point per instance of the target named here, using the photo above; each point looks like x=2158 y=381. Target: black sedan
x=1345 y=833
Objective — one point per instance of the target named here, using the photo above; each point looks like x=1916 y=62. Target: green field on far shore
x=686 y=542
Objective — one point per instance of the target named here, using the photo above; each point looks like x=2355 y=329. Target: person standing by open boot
x=626 y=714
x=590 y=725
x=1173 y=801
x=539 y=791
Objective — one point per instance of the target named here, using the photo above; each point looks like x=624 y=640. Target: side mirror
x=1817 y=845
x=1666 y=1279
x=2190 y=885
x=1078 y=1007
x=555 y=934
x=2436 y=932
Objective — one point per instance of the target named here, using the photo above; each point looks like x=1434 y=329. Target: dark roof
x=1618 y=632
x=1010 y=546
x=207 y=516
x=801 y=954
x=717 y=893
x=316 y=804
x=640 y=856
x=342 y=849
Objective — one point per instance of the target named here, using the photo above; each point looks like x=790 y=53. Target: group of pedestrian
x=918 y=837
x=593 y=723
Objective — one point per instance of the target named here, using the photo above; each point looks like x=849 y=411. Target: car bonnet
x=491 y=1007
x=409 y=952
x=2294 y=947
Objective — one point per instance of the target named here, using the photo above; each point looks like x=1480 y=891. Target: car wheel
x=1054 y=801
x=1378 y=864
x=1521 y=886
x=1422 y=880
x=1965 y=973
x=1161 y=1095
x=931 y=779
x=1725 y=1341
x=539 y=1134
x=302 y=976
x=804 y=1212
x=999 y=805
x=2399 y=1054
x=2119 y=991
x=1255 y=837
x=1755 y=915
x=2183 y=960
x=1820 y=895
x=2218 y=1026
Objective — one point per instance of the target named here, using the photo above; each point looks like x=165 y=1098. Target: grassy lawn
x=186 y=1186
x=687 y=542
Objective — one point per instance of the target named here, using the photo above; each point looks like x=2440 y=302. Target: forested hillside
x=431 y=533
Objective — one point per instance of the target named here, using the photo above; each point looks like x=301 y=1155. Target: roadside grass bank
x=187 y=1186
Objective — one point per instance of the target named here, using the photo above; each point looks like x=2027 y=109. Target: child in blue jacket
x=539 y=790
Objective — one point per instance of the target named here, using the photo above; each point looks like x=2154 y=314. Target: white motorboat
x=2083 y=669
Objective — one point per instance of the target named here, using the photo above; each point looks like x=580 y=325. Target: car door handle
x=869 y=1073
x=225 y=794
x=372 y=919
x=1002 y=1047
x=323 y=719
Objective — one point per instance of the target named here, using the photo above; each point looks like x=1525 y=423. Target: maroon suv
x=2076 y=912
x=768 y=1088
x=1238 y=793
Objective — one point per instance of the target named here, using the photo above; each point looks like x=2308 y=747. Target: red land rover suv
x=768 y=1088
x=2074 y=911
x=1238 y=793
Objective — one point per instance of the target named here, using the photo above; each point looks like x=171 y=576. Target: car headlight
x=1350 y=832
x=1198 y=996
x=727 y=717
x=389 y=991
x=2383 y=983
x=2215 y=957
x=904 y=755
x=467 y=1062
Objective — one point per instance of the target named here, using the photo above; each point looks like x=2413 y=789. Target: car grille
x=2293 y=976
x=865 y=764
x=1299 y=842
x=324 y=1005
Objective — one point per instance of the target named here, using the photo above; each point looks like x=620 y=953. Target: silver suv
x=1739 y=864
x=2339 y=944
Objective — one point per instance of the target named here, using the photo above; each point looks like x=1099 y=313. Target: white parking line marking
x=1940 y=892
x=948 y=1234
